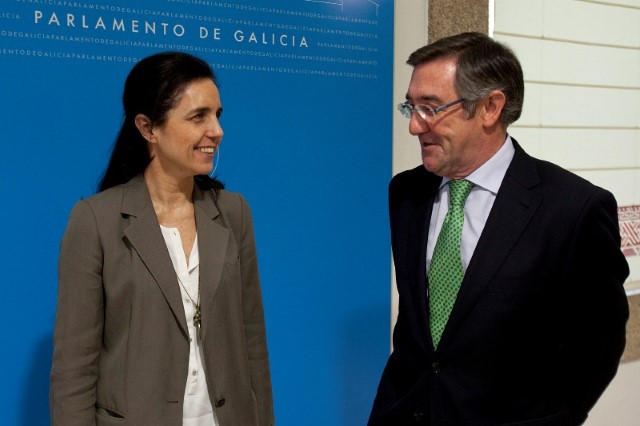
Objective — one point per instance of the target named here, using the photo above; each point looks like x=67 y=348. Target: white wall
x=410 y=33
x=619 y=404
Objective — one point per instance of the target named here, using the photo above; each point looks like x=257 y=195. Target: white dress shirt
x=486 y=180
x=197 y=410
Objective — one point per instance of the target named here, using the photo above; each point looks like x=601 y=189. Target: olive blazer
x=121 y=346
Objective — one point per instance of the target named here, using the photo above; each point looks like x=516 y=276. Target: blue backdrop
x=306 y=88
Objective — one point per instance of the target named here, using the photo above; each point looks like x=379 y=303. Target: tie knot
x=458 y=191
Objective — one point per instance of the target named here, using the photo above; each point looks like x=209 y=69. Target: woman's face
x=184 y=145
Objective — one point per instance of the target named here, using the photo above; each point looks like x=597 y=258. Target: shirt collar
x=194 y=257
x=489 y=176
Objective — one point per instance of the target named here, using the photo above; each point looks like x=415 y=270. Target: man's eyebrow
x=425 y=98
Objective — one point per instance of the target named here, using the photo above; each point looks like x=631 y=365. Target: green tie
x=445 y=273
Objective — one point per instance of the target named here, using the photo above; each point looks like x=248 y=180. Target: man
x=533 y=328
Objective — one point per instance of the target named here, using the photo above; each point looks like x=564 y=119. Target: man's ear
x=145 y=127
x=492 y=108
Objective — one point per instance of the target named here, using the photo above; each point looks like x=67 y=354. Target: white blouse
x=197 y=410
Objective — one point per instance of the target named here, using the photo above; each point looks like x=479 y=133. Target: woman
x=160 y=318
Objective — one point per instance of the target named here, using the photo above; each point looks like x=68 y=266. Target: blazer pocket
x=558 y=419
x=516 y=285
x=105 y=416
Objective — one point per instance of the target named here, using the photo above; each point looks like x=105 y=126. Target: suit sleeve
x=254 y=322
x=598 y=309
x=79 y=322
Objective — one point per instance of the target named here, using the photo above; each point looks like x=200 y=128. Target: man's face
x=451 y=142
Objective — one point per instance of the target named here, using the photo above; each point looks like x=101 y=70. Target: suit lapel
x=146 y=238
x=213 y=239
x=515 y=205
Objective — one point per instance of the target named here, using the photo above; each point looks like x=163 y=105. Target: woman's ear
x=145 y=127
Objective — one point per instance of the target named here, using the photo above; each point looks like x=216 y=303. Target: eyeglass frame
x=428 y=115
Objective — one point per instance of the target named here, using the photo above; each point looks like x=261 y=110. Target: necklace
x=197 y=317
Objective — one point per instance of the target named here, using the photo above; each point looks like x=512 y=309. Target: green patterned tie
x=445 y=272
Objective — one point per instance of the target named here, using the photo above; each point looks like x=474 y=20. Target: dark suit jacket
x=538 y=328
x=121 y=345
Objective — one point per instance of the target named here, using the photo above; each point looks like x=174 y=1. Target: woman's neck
x=172 y=201
x=170 y=196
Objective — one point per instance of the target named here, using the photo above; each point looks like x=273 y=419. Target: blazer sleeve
x=598 y=309
x=78 y=323
x=253 y=316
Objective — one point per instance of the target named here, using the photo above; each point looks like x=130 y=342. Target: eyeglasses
x=426 y=112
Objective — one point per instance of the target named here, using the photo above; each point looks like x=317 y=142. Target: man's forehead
x=432 y=81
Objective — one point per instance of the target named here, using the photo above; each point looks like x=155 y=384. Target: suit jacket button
x=436 y=368
x=220 y=403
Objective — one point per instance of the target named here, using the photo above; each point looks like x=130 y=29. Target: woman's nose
x=215 y=129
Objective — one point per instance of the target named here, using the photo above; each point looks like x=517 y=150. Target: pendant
x=197 y=319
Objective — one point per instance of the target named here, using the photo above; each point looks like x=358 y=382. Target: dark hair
x=483 y=65
x=154 y=86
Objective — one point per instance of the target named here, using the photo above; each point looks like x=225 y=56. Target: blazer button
x=436 y=368
x=220 y=403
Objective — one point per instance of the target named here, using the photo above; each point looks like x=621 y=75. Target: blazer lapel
x=213 y=240
x=146 y=238
x=515 y=205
